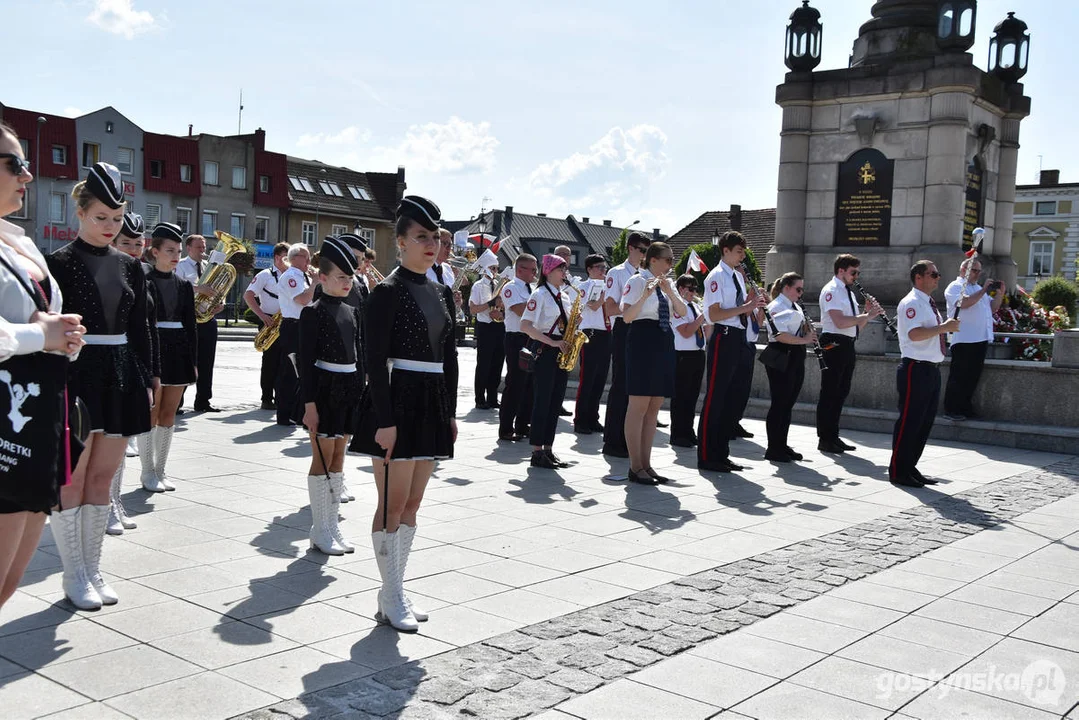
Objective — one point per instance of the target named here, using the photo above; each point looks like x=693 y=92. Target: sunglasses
x=16 y=164
x=935 y=275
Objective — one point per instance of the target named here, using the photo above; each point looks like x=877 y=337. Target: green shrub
x=1054 y=291
x=711 y=256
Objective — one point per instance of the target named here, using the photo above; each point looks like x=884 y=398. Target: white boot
x=337 y=485
x=94 y=518
x=125 y=519
x=345 y=495
x=67 y=532
x=162 y=442
x=148 y=478
x=114 y=526
x=132 y=450
x=322 y=538
x=408 y=534
x=391 y=598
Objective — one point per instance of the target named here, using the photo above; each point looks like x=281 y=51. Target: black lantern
x=955 y=24
x=803 y=39
x=1008 y=49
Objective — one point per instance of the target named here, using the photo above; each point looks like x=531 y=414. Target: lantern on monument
x=955 y=24
x=1008 y=49
x=803 y=39
x=715 y=237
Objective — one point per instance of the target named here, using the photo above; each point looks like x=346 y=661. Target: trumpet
x=373 y=274
x=869 y=299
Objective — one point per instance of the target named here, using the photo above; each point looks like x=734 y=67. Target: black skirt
x=33 y=451
x=650 y=359
x=421 y=412
x=112 y=382
x=177 y=358
x=337 y=400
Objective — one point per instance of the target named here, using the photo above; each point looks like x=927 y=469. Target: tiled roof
x=758 y=226
x=332 y=204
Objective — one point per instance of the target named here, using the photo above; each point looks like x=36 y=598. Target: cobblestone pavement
x=547 y=589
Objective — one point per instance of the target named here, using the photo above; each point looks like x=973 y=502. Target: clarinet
x=883 y=315
x=817 y=349
x=757 y=290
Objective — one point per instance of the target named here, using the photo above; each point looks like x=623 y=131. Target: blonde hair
x=82 y=197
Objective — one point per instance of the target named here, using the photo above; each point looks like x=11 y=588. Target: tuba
x=268 y=333
x=220 y=275
x=573 y=335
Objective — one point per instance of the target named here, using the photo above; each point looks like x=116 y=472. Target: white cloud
x=453 y=147
x=349 y=136
x=73 y=112
x=120 y=18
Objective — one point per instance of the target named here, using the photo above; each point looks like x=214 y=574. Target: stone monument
x=899 y=156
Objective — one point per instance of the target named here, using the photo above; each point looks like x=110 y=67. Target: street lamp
x=715 y=236
x=37 y=171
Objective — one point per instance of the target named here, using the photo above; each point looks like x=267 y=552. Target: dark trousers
x=834 y=384
x=919 y=393
x=285 y=388
x=490 y=352
x=784 y=388
x=966 y=370
x=689 y=371
x=742 y=390
x=516 y=409
x=548 y=389
x=614 y=430
x=594 y=363
x=207 y=353
x=730 y=369
x=271 y=361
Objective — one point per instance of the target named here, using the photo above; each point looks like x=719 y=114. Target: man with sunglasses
x=969 y=345
x=841 y=322
x=921 y=343
x=596 y=353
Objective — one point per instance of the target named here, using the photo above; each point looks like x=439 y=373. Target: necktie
x=664 y=312
x=529 y=286
x=943 y=347
x=739 y=298
x=699 y=334
x=438 y=274
x=199 y=266
x=853 y=310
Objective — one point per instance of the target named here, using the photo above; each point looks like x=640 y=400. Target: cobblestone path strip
x=527 y=671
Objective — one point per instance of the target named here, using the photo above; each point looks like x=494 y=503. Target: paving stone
x=530 y=667
x=613 y=669
x=665 y=645
x=493 y=679
x=445 y=690
x=375 y=698
x=641 y=657
x=644 y=622
x=402 y=677
x=575 y=680
x=694 y=635
x=512 y=642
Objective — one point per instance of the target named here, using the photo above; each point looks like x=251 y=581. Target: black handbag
x=528 y=356
x=775 y=356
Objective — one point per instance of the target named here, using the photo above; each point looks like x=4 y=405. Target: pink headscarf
x=551 y=262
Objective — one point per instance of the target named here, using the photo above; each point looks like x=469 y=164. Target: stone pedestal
x=1066 y=349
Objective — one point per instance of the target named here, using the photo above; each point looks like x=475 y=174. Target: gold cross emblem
x=866 y=174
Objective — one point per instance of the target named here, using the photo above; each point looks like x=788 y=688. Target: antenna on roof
x=240 y=118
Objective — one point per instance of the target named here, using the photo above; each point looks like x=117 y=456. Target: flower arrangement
x=1020 y=313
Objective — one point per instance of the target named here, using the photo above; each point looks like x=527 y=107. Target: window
x=358 y=192
x=1047 y=207
x=90 y=152
x=59 y=154
x=109 y=126
x=264 y=183
x=125 y=160
x=153 y=215
x=307 y=184
x=209 y=223
x=295 y=182
x=336 y=190
x=338 y=230
x=23 y=213
x=239 y=178
x=368 y=236
x=1041 y=258
x=183 y=219
x=157 y=168
x=185 y=173
x=236 y=226
x=308 y=232
x=325 y=187
x=262 y=228
x=25 y=145
x=209 y=173
x=58 y=207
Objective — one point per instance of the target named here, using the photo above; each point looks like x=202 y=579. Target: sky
x=609 y=110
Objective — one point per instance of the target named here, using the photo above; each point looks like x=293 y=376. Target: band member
x=572 y=284
x=262 y=297
x=516 y=409
x=111 y=376
x=407 y=417
x=442 y=272
x=295 y=291
x=357 y=294
x=331 y=382
x=785 y=383
x=647 y=303
x=730 y=354
x=971 y=343
x=595 y=357
x=614 y=439
x=191 y=269
x=490 y=329
x=36 y=342
x=921 y=343
x=174 y=305
x=691 y=332
x=840 y=324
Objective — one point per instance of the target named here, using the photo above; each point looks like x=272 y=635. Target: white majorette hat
x=421 y=210
x=105 y=184
x=486 y=260
x=339 y=253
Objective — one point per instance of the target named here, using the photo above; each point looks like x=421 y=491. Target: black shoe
x=907 y=481
x=615 y=452
x=268 y=405
x=686 y=442
x=493 y=406
x=716 y=466
x=206 y=408
x=512 y=437
x=596 y=427
x=582 y=430
x=641 y=478
x=181 y=411
x=830 y=446
x=563 y=412
x=656 y=476
x=286 y=423
x=540 y=459
x=917 y=475
x=777 y=455
x=741 y=432
x=845 y=446
x=661 y=424
x=559 y=462
x=792 y=454
x=482 y=406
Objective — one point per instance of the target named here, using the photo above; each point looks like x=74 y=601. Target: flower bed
x=1021 y=314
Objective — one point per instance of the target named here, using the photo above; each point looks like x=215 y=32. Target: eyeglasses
x=16 y=164
x=799 y=290
x=935 y=275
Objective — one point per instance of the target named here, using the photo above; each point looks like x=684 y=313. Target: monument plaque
x=863 y=215
x=972 y=213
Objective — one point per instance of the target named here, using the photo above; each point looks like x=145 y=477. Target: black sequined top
x=173 y=301
x=329 y=331
x=409 y=318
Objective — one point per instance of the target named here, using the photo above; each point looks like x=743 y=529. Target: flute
x=817 y=349
x=866 y=297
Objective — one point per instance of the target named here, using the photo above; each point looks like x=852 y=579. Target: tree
x=711 y=256
x=619 y=252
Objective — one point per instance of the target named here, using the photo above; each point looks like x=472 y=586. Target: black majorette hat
x=353 y=240
x=133 y=227
x=420 y=209
x=105 y=184
x=168 y=231
x=339 y=253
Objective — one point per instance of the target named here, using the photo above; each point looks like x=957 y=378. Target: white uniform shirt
x=592 y=290
x=293 y=282
x=693 y=311
x=482 y=292
x=542 y=308
x=975 y=322
x=834 y=296
x=19 y=336
x=634 y=289
x=516 y=292
x=787 y=317
x=187 y=270
x=915 y=311
x=265 y=287
x=448 y=275
x=720 y=289
x=617 y=277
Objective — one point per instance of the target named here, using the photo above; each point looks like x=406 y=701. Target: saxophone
x=268 y=333
x=220 y=275
x=573 y=335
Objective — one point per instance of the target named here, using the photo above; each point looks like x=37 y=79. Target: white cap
x=486 y=260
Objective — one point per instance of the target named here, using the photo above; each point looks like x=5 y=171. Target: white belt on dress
x=335 y=367
x=120 y=339
x=414 y=365
x=170 y=325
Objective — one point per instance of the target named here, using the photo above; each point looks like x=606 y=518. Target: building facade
x=1045 y=232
